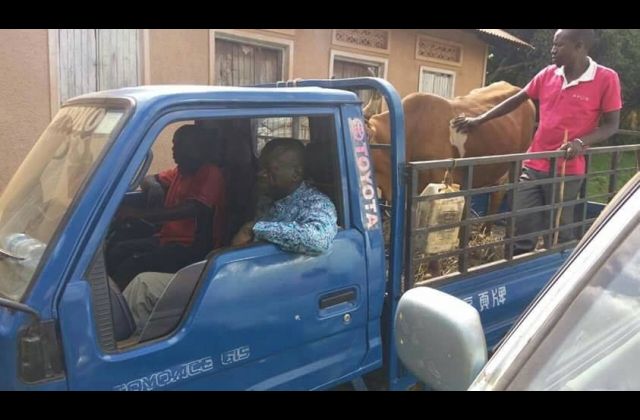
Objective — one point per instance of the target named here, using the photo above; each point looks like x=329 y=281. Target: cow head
x=371 y=131
x=377 y=129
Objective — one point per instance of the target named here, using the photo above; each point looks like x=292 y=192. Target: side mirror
x=439 y=339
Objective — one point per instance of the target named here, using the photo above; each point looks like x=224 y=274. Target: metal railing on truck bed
x=478 y=251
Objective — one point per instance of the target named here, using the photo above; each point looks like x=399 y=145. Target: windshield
x=41 y=191
x=594 y=346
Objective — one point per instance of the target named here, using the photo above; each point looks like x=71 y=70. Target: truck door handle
x=336 y=298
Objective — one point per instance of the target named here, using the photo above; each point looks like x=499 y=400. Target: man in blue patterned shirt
x=293 y=215
x=300 y=219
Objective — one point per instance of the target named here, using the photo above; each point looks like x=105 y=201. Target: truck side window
x=321 y=159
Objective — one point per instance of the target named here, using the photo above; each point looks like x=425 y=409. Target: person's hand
x=572 y=148
x=463 y=124
x=153 y=191
x=244 y=235
x=155 y=196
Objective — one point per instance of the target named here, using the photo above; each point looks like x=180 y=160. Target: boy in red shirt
x=574 y=94
x=192 y=211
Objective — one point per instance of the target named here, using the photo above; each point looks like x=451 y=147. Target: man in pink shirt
x=574 y=94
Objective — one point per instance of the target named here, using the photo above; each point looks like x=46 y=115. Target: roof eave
x=492 y=35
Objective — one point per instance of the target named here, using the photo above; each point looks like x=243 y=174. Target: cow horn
x=373 y=106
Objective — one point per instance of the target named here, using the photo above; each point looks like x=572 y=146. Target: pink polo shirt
x=575 y=107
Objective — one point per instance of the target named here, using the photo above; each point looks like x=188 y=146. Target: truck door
x=255 y=317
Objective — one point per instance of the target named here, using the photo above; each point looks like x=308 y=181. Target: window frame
x=380 y=62
x=258 y=40
x=54 y=65
x=430 y=69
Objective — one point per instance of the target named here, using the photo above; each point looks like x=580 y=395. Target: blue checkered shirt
x=304 y=222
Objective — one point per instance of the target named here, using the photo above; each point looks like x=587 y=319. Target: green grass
x=599 y=184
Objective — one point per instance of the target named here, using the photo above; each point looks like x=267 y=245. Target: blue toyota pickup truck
x=253 y=317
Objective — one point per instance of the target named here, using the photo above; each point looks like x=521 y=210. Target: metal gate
x=465 y=255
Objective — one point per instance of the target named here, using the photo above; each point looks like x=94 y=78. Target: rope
x=448 y=175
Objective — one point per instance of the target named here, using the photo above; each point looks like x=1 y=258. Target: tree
x=620 y=50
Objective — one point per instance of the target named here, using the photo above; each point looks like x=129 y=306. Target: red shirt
x=576 y=107
x=205 y=186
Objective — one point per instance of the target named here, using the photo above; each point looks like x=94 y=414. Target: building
x=40 y=68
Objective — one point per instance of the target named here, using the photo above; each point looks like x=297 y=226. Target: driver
x=189 y=202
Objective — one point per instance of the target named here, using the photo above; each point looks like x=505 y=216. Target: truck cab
x=245 y=318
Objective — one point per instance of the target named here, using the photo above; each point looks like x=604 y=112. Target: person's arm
x=312 y=234
x=154 y=190
x=205 y=191
x=190 y=208
x=244 y=234
x=153 y=181
x=611 y=103
x=152 y=197
x=464 y=124
x=609 y=125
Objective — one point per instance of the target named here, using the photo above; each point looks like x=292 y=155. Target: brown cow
x=429 y=137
